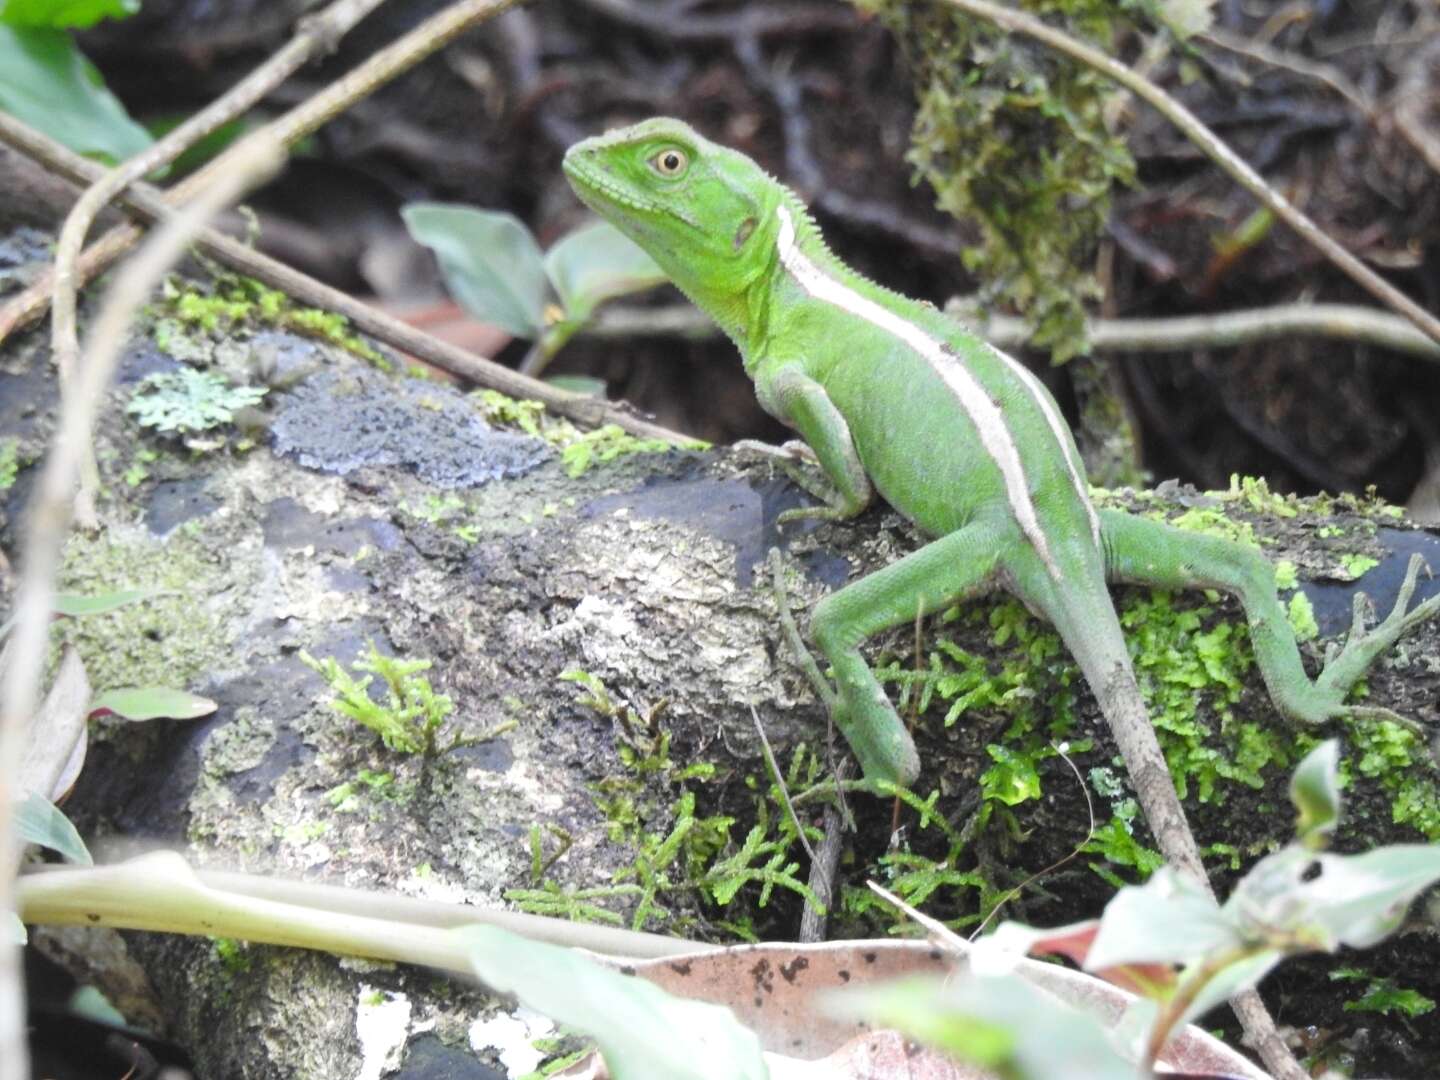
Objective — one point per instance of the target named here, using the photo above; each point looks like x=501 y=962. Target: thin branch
x=48 y=519
x=1213 y=147
x=316 y=34
x=774 y=767
x=1311 y=69
x=1414 y=97
x=1344 y=322
x=375 y=72
x=147 y=202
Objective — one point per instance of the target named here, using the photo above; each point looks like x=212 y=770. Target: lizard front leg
x=956 y=567
x=794 y=398
x=1148 y=553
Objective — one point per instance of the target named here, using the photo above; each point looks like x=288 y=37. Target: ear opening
x=747 y=227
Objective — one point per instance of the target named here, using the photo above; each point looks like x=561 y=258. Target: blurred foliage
x=1012 y=137
x=46 y=82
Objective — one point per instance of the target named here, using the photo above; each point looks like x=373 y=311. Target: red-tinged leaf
x=1072 y=942
x=1155 y=981
x=151 y=703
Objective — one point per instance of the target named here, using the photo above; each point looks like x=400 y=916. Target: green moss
x=650 y=809
x=1354 y=565
x=1387 y=754
x=233 y=301
x=9 y=462
x=1213 y=522
x=610 y=442
x=1254 y=493
x=176 y=638
x=412 y=717
x=1013 y=138
x=234 y=956
x=1301 y=615
x=1382 y=994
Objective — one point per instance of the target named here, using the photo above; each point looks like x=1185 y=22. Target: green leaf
x=642 y=1031
x=587 y=385
x=40 y=821
x=48 y=84
x=151 y=703
x=999 y=1023
x=596 y=262
x=1012 y=779
x=1219 y=986
x=1355 y=900
x=1168 y=919
x=74 y=604
x=64 y=14
x=1315 y=791
x=1362 y=899
x=492 y=265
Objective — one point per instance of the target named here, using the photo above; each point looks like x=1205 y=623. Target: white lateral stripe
x=1057 y=427
x=984 y=414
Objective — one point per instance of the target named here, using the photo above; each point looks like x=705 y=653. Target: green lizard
x=894 y=396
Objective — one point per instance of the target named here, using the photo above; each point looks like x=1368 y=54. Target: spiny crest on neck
x=812 y=242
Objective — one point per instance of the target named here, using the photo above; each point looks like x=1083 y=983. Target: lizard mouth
x=595 y=187
x=608 y=196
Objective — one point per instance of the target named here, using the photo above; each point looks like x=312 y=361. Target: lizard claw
x=792 y=451
x=1344 y=666
x=1362 y=646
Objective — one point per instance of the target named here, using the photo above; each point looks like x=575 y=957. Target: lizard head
x=705 y=213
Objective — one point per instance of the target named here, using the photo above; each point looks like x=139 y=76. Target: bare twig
x=1414 y=97
x=316 y=34
x=147 y=202
x=1329 y=75
x=49 y=517
x=288 y=129
x=1213 y=147
x=1343 y=322
x=774 y=767
x=826 y=861
x=751 y=20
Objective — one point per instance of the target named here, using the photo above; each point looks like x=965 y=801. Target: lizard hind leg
x=955 y=567
x=1148 y=553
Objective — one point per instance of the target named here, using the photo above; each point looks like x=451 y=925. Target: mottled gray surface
x=341 y=421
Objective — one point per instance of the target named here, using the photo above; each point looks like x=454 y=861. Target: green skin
x=894 y=396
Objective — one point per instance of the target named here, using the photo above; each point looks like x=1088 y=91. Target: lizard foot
x=1343 y=667
x=792 y=451
x=798 y=461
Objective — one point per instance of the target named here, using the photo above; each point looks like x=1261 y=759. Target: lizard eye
x=670 y=162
